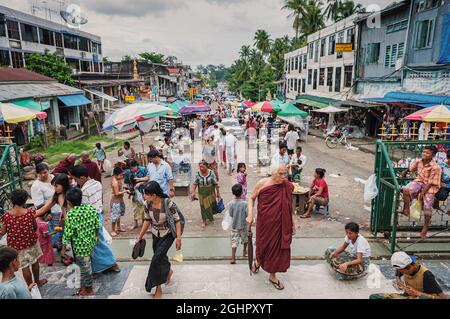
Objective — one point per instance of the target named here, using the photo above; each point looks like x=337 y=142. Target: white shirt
x=42 y=192
x=361 y=245
x=192 y=125
x=230 y=141
x=216 y=135
x=277 y=158
x=294 y=160
x=93 y=194
x=291 y=139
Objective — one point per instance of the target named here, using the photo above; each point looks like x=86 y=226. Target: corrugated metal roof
x=9 y=92
x=15 y=75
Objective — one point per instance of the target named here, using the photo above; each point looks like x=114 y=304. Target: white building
x=296 y=72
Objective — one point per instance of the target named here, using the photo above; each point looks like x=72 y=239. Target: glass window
x=46 y=37
x=84 y=45
x=348 y=70
x=85 y=66
x=29 y=33
x=311 y=50
x=17 y=59
x=71 y=42
x=315 y=80
x=4 y=58
x=392 y=54
x=304 y=61
x=340 y=40
x=331 y=44
x=2 y=29
x=337 y=80
x=59 y=40
x=74 y=64
x=309 y=77
x=372 y=53
x=322 y=76
x=424 y=34
x=351 y=37
x=13 y=29
x=316 y=51
x=303 y=85
x=322 y=47
x=330 y=76
x=397 y=26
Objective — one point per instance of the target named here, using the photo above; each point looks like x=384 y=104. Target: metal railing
x=10 y=174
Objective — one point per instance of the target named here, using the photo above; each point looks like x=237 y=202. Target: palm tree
x=332 y=10
x=313 y=20
x=338 y=9
x=244 y=53
x=297 y=8
x=262 y=41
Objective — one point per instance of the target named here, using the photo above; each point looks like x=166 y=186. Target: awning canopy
x=74 y=100
x=316 y=101
x=102 y=95
x=422 y=100
x=30 y=104
x=331 y=109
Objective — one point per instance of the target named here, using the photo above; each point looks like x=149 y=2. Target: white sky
x=196 y=31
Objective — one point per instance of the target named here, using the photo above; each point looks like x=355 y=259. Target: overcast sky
x=196 y=31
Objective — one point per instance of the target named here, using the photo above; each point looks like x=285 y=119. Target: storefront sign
x=130 y=98
x=344 y=47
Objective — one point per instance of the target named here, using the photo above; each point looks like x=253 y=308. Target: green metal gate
x=10 y=174
x=389 y=157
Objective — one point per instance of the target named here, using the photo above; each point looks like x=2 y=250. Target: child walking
x=117 y=202
x=237 y=209
x=241 y=179
x=81 y=232
x=100 y=154
x=45 y=239
x=12 y=287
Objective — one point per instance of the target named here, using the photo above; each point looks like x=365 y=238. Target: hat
x=401 y=260
x=153 y=153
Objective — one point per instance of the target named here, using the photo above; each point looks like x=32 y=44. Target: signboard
x=344 y=47
x=130 y=98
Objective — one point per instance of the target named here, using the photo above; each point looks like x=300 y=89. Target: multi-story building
x=22 y=34
x=296 y=72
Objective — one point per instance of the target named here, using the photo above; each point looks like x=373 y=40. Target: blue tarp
x=74 y=100
x=422 y=100
x=444 y=56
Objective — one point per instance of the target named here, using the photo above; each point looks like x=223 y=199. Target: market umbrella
x=289 y=109
x=276 y=104
x=12 y=113
x=263 y=107
x=330 y=109
x=199 y=107
x=438 y=113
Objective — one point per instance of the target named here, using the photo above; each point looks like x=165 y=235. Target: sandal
x=277 y=284
x=256 y=268
x=305 y=216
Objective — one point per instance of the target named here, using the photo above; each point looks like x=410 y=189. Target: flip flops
x=276 y=284
x=139 y=249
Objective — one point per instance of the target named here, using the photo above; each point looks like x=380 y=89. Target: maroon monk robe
x=94 y=171
x=63 y=167
x=274 y=227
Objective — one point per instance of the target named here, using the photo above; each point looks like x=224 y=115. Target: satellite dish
x=72 y=16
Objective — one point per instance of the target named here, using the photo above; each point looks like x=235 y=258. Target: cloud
x=135 y=8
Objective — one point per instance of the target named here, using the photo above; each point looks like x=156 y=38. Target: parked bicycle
x=338 y=137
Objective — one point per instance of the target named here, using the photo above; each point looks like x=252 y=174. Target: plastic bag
x=107 y=236
x=370 y=188
x=227 y=221
x=178 y=256
x=35 y=293
x=415 y=210
x=107 y=166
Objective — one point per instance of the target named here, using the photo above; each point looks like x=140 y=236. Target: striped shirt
x=93 y=194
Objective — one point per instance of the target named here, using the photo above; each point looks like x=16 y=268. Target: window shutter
x=387 y=57
x=401 y=50
x=393 y=55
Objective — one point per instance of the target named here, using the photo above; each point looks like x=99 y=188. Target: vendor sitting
x=426 y=185
x=419 y=282
x=443 y=192
x=296 y=164
x=353 y=264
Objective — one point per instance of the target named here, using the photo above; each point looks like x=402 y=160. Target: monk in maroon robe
x=65 y=166
x=275 y=224
x=93 y=169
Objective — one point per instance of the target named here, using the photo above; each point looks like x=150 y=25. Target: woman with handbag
x=208 y=191
x=166 y=222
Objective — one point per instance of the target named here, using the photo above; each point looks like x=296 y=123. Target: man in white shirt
x=298 y=161
x=291 y=139
x=231 y=151
x=281 y=156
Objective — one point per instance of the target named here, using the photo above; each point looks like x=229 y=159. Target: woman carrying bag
x=166 y=222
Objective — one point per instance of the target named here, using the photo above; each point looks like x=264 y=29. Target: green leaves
x=153 y=57
x=52 y=65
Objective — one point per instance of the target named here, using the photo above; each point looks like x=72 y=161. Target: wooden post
x=435 y=128
x=413 y=131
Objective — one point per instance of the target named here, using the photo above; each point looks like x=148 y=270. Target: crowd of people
x=68 y=210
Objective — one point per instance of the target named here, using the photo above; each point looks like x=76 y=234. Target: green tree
x=276 y=58
x=105 y=59
x=349 y=8
x=52 y=65
x=126 y=58
x=262 y=41
x=153 y=57
x=338 y=9
x=297 y=8
x=244 y=53
x=313 y=20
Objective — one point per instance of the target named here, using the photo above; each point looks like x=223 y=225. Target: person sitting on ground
x=353 y=264
x=318 y=192
x=127 y=152
x=81 y=233
x=281 y=156
x=425 y=186
x=419 y=282
x=237 y=209
x=12 y=287
x=94 y=171
x=443 y=192
x=66 y=165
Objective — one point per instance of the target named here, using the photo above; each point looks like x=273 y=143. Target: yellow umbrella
x=438 y=113
x=12 y=113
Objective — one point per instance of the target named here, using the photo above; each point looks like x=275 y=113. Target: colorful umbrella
x=12 y=113
x=247 y=104
x=198 y=107
x=133 y=113
x=438 y=113
x=263 y=107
